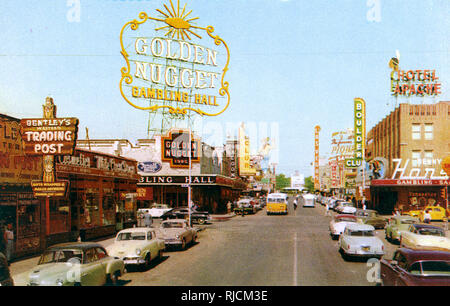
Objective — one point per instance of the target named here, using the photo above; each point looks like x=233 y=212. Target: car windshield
x=431 y=268
x=172 y=225
x=73 y=256
x=362 y=233
x=345 y=219
x=131 y=236
x=275 y=200
x=431 y=232
x=408 y=222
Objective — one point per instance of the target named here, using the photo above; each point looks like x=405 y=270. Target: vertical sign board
x=316 y=158
x=49 y=137
x=359 y=134
x=245 y=168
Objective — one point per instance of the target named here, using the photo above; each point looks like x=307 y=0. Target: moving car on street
x=370 y=217
x=74 y=264
x=156 y=210
x=416 y=268
x=308 y=200
x=176 y=233
x=245 y=206
x=345 y=208
x=424 y=237
x=277 y=203
x=137 y=246
x=200 y=217
x=359 y=240
x=338 y=224
x=397 y=224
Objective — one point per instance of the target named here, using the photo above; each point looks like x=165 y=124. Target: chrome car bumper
x=133 y=261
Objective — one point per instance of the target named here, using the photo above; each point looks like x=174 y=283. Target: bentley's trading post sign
x=171 y=64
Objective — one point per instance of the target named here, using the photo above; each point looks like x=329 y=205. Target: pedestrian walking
x=229 y=207
x=3 y=241
x=148 y=220
x=295 y=204
x=427 y=217
x=9 y=236
x=327 y=209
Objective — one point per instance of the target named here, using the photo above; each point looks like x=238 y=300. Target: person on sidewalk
x=148 y=220
x=9 y=236
x=427 y=217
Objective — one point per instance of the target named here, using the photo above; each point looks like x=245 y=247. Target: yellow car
x=413 y=213
x=437 y=213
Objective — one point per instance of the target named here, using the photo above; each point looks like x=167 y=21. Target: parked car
x=245 y=205
x=137 y=246
x=359 y=240
x=156 y=210
x=5 y=275
x=199 y=217
x=416 y=268
x=74 y=264
x=424 y=237
x=338 y=224
x=437 y=213
x=371 y=217
x=397 y=224
x=176 y=233
x=345 y=208
x=335 y=204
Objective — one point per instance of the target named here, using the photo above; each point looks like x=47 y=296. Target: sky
x=294 y=64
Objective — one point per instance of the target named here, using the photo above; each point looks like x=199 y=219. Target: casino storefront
x=210 y=192
x=408 y=194
x=18 y=206
x=100 y=196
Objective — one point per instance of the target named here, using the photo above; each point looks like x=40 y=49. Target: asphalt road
x=260 y=250
x=255 y=250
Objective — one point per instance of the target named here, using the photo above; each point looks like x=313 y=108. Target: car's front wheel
x=114 y=278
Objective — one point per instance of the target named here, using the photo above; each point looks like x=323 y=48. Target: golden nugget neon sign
x=173 y=71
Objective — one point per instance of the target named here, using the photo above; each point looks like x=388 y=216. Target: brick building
x=412 y=141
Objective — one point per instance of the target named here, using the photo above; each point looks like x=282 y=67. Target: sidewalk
x=223 y=217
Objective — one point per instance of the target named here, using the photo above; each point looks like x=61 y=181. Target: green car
x=397 y=224
x=74 y=264
x=370 y=217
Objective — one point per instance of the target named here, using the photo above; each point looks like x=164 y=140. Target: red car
x=416 y=268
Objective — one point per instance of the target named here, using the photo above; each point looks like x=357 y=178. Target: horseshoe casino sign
x=174 y=64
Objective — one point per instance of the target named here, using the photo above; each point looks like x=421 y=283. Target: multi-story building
x=405 y=150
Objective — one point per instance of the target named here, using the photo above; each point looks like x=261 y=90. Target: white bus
x=307 y=200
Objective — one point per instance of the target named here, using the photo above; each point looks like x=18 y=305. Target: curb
x=222 y=218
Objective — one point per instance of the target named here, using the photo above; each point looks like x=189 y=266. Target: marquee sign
x=172 y=64
x=49 y=136
x=175 y=149
x=417 y=82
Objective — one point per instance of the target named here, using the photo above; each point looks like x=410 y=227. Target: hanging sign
x=175 y=149
x=173 y=63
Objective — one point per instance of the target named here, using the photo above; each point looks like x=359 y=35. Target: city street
x=255 y=250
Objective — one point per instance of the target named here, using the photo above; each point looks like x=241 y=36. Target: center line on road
x=295 y=259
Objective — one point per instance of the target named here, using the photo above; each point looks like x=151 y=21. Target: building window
x=428 y=131
x=416 y=130
x=415 y=156
x=428 y=158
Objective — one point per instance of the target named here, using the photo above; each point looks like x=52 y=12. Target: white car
x=338 y=224
x=156 y=211
x=359 y=240
x=424 y=237
x=346 y=208
x=137 y=246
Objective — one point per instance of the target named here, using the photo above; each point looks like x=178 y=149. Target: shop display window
x=59 y=216
x=109 y=209
x=90 y=211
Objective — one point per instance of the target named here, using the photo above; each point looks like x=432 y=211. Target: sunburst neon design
x=177 y=24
